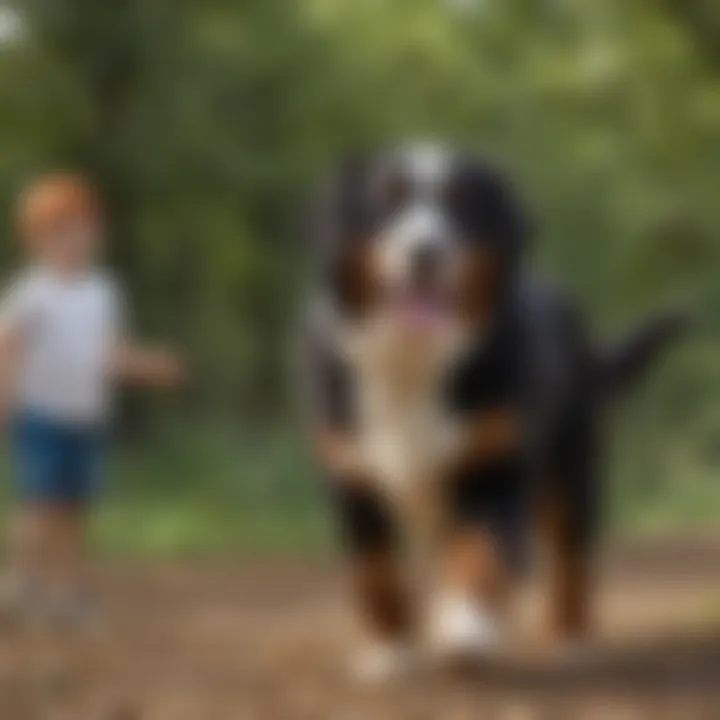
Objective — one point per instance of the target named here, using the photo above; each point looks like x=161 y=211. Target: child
x=62 y=348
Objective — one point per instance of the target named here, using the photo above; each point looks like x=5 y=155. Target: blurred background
x=206 y=125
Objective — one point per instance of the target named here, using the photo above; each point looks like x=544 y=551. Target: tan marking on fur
x=359 y=277
x=479 y=285
x=489 y=436
x=570 y=576
x=382 y=595
x=340 y=455
x=473 y=564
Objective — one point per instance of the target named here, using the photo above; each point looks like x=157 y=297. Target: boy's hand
x=169 y=371
x=159 y=368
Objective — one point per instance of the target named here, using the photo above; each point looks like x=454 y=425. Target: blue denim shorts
x=56 y=461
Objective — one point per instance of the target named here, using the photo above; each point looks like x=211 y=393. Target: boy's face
x=72 y=243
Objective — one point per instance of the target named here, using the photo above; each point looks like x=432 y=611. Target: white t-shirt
x=68 y=327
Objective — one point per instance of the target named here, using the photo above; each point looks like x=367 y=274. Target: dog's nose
x=425 y=260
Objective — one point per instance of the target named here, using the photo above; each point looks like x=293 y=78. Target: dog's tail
x=625 y=362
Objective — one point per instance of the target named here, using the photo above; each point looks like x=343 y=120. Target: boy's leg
x=82 y=467
x=34 y=450
x=57 y=470
x=29 y=542
x=67 y=574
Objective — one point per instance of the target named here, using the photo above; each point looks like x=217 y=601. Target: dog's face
x=420 y=236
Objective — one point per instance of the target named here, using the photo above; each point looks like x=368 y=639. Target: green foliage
x=206 y=124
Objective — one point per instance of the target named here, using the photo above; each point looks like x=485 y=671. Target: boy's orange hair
x=52 y=200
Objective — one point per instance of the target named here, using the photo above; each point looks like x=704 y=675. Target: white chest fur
x=400 y=431
x=404 y=427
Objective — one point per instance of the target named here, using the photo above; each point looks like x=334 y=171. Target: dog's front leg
x=571 y=575
x=474 y=583
x=379 y=583
x=474 y=572
x=371 y=534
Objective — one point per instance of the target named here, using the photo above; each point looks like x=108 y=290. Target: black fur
x=626 y=361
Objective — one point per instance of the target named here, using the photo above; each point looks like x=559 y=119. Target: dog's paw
x=381 y=662
x=460 y=627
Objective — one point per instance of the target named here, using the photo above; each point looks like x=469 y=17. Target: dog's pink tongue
x=420 y=316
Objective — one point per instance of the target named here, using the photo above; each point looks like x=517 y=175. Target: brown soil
x=267 y=641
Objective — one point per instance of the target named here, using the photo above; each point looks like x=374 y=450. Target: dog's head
x=421 y=235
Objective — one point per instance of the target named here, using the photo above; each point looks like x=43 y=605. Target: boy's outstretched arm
x=146 y=365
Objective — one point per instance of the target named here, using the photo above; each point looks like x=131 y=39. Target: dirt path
x=266 y=643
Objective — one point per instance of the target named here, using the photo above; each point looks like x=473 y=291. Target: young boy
x=62 y=349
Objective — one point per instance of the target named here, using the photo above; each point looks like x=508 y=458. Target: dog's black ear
x=337 y=226
x=334 y=211
x=492 y=217
x=491 y=207
x=508 y=216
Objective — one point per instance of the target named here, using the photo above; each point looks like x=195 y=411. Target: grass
x=214 y=490
x=222 y=491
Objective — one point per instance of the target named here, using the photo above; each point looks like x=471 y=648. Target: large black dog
x=456 y=398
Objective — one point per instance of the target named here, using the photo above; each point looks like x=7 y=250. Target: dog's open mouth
x=421 y=310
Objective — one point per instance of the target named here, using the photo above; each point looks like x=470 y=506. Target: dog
x=457 y=401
